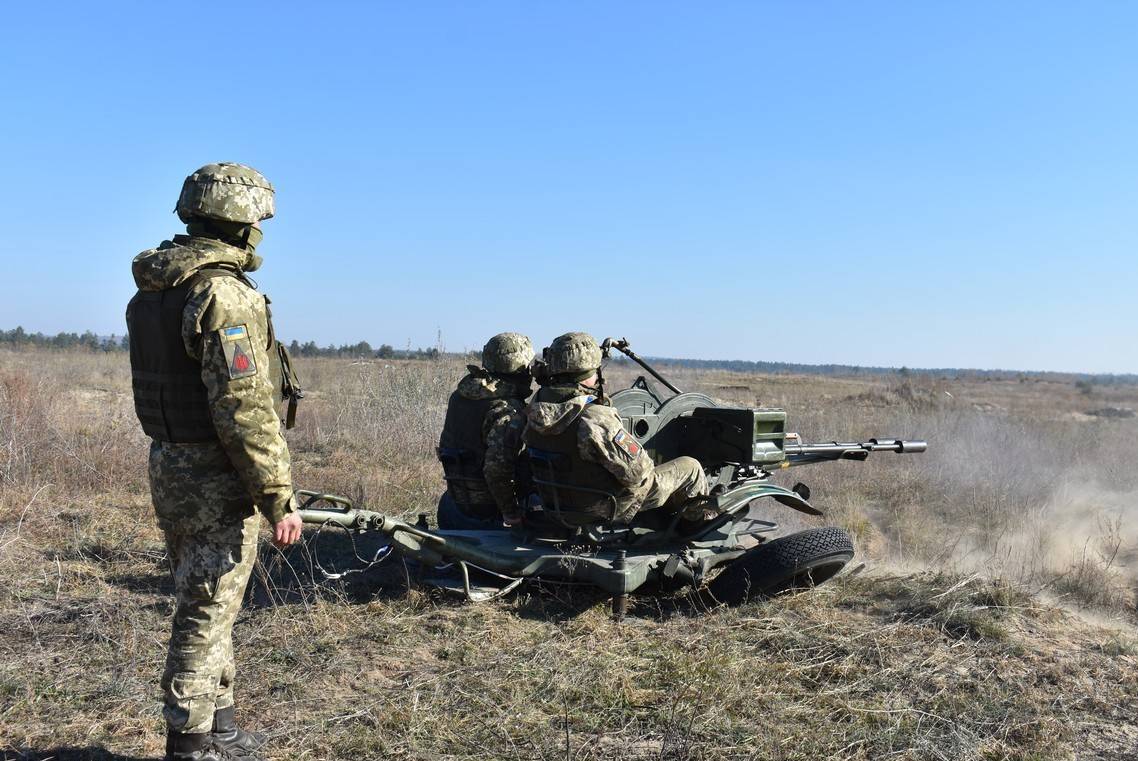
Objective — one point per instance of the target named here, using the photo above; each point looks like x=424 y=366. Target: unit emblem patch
x=238 y=351
x=627 y=444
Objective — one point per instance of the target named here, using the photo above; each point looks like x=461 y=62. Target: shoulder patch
x=238 y=351
x=627 y=444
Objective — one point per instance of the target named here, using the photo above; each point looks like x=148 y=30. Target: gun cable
x=380 y=555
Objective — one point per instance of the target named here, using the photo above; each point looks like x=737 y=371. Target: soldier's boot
x=228 y=736
x=197 y=747
x=699 y=509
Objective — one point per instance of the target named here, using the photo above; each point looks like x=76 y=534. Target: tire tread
x=777 y=565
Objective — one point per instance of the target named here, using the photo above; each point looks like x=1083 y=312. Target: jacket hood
x=479 y=384
x=172 y=262
x=555 y=409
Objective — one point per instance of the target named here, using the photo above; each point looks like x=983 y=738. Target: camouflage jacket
x=601 y=439
x=500 y=431
x=200 y=486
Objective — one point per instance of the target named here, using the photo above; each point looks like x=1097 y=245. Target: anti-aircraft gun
x=737 y=553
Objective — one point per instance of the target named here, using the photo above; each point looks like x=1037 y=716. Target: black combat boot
x=227 y=736
x=196 y=747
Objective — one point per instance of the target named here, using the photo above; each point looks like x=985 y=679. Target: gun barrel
x=800 y=454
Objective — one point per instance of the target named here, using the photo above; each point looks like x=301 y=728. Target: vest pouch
x=462 y=470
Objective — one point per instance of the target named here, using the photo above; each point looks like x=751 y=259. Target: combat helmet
x=507 y=354
x=228 y=192
x=576 y=355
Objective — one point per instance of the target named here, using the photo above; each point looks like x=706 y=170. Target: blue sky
x=918 y=184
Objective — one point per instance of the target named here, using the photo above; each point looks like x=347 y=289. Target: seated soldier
x=481 y=443
x=576 y=439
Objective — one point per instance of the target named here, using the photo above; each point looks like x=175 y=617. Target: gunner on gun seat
x=481 y=442
x=592 y=468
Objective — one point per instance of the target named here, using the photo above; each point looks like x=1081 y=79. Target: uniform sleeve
x=502 y=434
x=603 y=440
x=224 y=326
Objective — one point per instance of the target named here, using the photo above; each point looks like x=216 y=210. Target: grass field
x=993 y=618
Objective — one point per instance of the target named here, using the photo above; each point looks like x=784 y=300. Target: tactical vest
x=170 y=398
x=583 y=492
x=463 y=454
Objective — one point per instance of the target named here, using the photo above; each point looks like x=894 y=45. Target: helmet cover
x=573 y=354
x=507 y=353
x=225 y=191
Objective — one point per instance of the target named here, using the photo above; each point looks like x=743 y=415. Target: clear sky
x=921 y=184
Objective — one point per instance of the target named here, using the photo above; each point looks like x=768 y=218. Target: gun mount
x=739 y=553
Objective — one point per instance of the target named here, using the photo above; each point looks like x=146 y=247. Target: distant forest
x=19 y=338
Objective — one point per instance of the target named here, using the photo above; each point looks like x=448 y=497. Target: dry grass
x=1021 y=494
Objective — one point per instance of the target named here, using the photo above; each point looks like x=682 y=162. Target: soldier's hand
x=287 y=530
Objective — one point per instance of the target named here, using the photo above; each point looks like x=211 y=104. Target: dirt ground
x=993 y=617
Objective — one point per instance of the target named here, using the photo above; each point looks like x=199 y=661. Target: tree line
x=20 y=338
x=361 y=350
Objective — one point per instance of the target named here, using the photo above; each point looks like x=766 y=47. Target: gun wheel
x=798 y=561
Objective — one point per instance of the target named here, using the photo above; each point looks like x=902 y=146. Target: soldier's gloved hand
x=287 y=530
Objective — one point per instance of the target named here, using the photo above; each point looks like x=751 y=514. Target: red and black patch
x=241 y=361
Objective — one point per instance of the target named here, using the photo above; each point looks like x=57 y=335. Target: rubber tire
x=798 y=561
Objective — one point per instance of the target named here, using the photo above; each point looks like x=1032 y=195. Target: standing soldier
x=208 y=374
x=594 y=470
x=481 y=443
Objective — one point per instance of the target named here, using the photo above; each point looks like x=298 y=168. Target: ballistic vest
x=585 y=492
x=170 y=398
x=463 y=454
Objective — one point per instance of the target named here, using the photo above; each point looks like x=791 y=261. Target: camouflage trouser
x=671 y=484
x=674 y=483
x=211 y=571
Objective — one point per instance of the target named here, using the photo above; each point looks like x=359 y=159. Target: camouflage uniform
x=621 y=467
x=590 y=449
x=211 y=571
x=481 y=442
x=217 y=454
